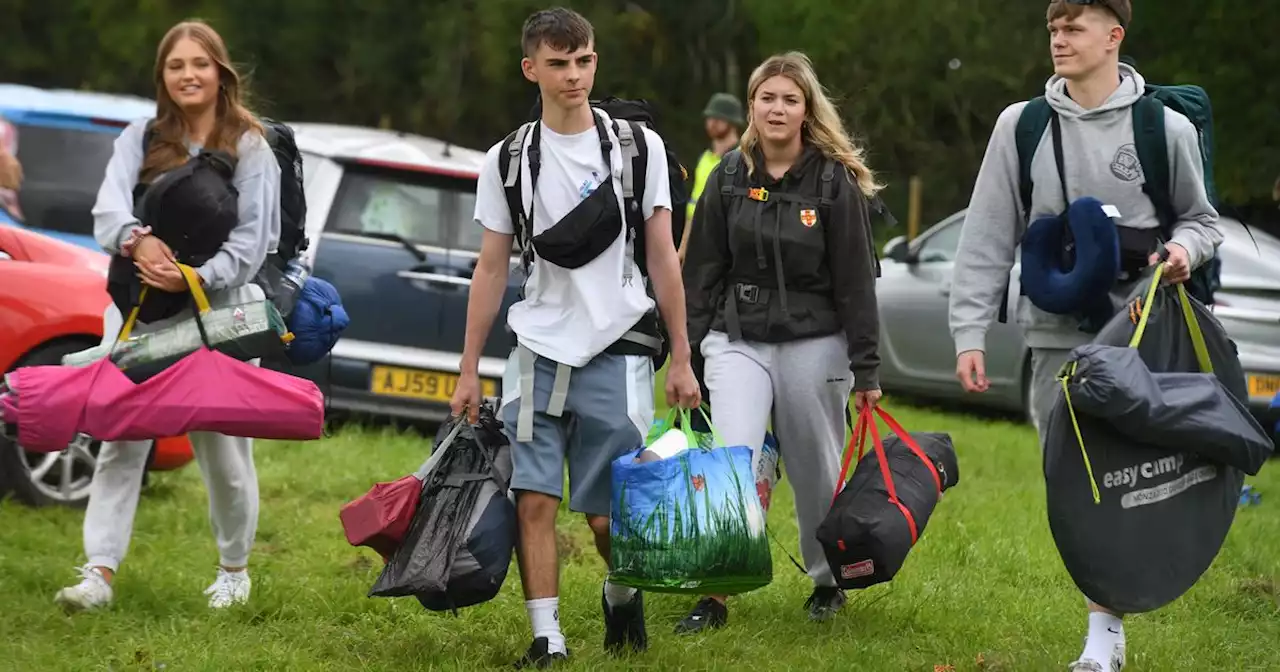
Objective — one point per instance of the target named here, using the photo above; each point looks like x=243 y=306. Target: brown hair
x=167 y=148
x=1121 y=9
x=559 y=28
x=822 y=125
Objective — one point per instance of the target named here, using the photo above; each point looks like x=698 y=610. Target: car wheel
x=45 y=479
x=51 y=479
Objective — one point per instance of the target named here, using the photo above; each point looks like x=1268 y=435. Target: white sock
x=544 y=616
x=1105 y=631
x=615 y=595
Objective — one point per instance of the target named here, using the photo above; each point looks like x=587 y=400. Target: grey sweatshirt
x=1099 y=161
x=257 y=179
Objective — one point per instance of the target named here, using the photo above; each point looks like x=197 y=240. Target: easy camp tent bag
x=878 y=517
x=1136 y=525
x=459 y=545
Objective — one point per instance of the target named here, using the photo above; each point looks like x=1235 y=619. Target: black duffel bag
x=878 y=517
x=1139 y=513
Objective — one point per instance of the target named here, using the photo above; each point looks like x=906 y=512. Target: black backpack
x=629 y=118
x=193 y=209
x=293 y=202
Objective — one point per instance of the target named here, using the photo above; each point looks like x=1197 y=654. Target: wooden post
x=913 y=208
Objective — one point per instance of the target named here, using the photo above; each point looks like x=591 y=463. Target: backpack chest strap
x=762 y=195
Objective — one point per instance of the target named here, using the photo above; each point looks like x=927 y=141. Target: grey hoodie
x=1099 y=160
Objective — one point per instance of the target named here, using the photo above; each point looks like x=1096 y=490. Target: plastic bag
x=459 y=544
x=692 y=523
x=244 y=331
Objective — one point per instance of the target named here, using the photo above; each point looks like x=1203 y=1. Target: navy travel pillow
x=1088 y=281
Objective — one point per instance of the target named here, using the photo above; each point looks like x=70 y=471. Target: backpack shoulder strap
x=148 y=132
x=509 y=171
x=732 y=165
x=1030 y=129
x=635 y=168
x=1152 y=148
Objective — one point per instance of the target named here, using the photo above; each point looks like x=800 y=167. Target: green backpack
x=1150 y=143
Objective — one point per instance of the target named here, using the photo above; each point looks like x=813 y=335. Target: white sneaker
x=1090 y=665
x=228 y=589
x=91 y=593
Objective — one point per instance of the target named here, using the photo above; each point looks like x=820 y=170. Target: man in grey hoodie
x=1092 y=93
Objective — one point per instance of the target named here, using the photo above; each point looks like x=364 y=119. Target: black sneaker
x=624 y=625
x=824 y=603
x=708 y=613
x=539 y=657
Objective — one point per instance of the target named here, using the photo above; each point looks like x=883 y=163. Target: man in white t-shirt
x=576 y=390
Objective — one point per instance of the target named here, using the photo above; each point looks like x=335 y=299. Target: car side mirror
x=898 y=250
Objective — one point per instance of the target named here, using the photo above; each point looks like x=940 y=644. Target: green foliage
x=451 y=69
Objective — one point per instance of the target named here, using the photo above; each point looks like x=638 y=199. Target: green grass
x=709 y=546
x=983 y=590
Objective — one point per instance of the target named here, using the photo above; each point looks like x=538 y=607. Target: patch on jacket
x=808 y=217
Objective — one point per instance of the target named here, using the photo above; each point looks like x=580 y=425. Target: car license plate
x=417 y=384
x=1262 y=385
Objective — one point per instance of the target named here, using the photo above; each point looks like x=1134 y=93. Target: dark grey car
x=391 y=219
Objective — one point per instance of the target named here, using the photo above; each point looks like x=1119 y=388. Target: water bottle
x=296 y=274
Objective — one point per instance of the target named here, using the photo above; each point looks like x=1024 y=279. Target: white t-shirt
x=570 y=316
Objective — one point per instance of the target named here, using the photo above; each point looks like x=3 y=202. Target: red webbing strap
x=888 y=481
x=859 y=436
x=911 y=443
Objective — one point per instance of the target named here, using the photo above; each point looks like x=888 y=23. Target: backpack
x=459 y=543
x=193 y=209
x=293 y=202
x=1151 y=146
x=629 y=118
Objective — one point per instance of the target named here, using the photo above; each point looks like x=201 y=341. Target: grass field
x=983 y=590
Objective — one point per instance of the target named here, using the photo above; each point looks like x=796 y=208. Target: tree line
x=920 y=82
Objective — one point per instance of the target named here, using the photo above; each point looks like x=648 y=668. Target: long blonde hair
x=822 y=126
x=168 y=148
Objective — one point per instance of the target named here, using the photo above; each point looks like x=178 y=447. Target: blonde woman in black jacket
x=780 y=280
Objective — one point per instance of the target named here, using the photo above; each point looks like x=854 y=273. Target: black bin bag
x=1146 y=449
x=458 y=548
x=877 y=518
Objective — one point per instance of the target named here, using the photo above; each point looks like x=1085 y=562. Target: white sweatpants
x=804 y=386
x=226 y=463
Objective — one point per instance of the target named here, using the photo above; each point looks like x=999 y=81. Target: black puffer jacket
x=798 y=267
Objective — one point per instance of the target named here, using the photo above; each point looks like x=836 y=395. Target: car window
x=942 y=243
x=62 y=171
x=421 y=208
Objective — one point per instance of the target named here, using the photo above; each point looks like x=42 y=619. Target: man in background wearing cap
x=724 y=122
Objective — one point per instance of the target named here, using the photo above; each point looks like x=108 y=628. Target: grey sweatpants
x=1045 y=364
x=804 y=386
x=226 y=463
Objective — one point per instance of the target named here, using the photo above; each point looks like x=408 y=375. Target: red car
x=52 y=299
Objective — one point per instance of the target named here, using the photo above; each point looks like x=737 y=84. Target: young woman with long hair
x=780 y=280
x=199 y=107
